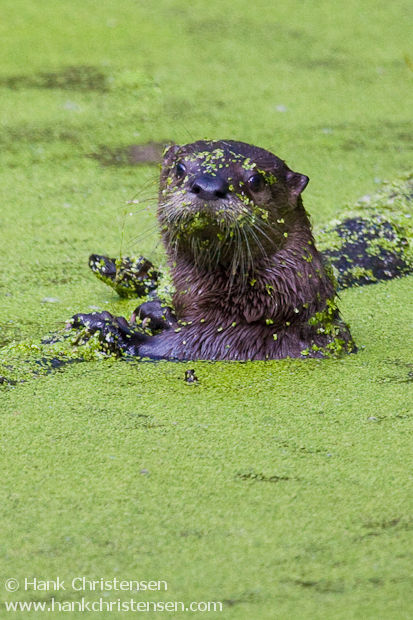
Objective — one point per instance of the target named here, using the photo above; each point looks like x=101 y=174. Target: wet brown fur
x=249 y=296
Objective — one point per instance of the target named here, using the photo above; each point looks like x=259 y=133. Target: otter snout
x=209 y=187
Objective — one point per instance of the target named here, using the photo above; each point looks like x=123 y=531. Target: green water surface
x=282 y=489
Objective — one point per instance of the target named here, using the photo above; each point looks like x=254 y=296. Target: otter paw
x=115 y=334
x=155 y=316
x=130 y=277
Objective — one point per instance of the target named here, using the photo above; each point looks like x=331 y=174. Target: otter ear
x=296 y=183
x=169 y=152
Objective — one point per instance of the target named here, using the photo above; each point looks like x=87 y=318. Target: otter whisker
x=249 y=253
x=261 y=231
x=144 y=233
x=258 y=243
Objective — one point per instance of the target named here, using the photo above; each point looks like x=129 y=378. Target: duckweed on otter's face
x=218 y=197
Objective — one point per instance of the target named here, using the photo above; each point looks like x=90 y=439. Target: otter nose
x=209 y=188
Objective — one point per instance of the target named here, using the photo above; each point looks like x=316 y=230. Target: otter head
x=226 y=203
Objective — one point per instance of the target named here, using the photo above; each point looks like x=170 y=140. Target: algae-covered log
x=373 y=240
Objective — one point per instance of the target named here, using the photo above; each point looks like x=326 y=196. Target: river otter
x=249 y=281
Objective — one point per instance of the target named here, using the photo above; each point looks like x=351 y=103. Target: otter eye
x=256 y=182
x=180 y=170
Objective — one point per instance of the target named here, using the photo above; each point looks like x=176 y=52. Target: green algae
x=318 y=465
x=329 y=324
x=281 y=488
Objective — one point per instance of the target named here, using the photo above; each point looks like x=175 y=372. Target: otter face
x=220 y=199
